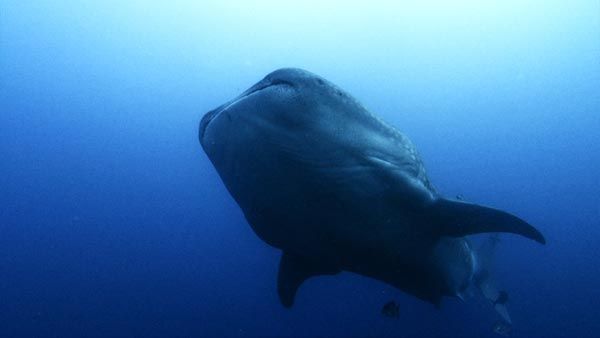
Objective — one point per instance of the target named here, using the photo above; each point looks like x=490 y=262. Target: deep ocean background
x=113 y=221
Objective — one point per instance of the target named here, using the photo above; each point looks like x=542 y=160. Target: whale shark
x=336 y=188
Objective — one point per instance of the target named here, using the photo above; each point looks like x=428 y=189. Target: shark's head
x=285 y=101
x=289 y=116
x=455 y=263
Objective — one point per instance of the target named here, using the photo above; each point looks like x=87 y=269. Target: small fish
x=391 y=309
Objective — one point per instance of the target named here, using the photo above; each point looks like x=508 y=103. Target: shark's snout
x=206 y=119
x=288 y=78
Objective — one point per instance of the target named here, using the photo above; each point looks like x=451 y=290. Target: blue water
x=114 y=223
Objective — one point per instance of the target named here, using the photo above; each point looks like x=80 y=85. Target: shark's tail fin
x=484 y=281
x=496 y=297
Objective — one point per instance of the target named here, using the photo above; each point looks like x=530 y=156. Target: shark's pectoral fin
x=456 y=218
x=294 y=270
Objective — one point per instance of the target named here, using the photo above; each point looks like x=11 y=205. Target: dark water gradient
x=114 y=223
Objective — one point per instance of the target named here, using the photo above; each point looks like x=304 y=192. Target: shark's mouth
x=259 y=87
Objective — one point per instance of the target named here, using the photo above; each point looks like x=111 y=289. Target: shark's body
x=336 y=188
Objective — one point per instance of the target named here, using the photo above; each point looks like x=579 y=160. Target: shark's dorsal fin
x=456 y=218
x=294 y=270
